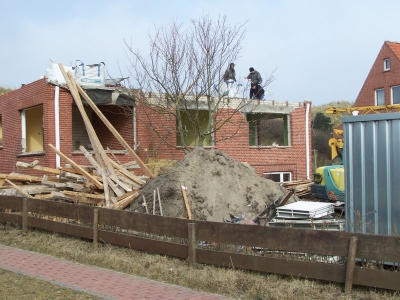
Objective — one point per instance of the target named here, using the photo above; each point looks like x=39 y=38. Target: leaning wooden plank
x=20 y=177
x=122 y=184
x=186 y=201
x=76 y=166
x=18 y=189
x=92 y=134
x=131 y=164
x=115 y=132
x=127 y=173
x=125 y=202
x=39 y=168
x=125 y=195
x=97 y=146
x=113 y=155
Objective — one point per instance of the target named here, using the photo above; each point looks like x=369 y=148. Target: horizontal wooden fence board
x=82 y=213
x=11 y=202
x=70 y=229
x=144 y=222
x=11 y=218
x=370 y=246
x=322 y=242
x=143 y=244
x=377 y=278
x=321 y=271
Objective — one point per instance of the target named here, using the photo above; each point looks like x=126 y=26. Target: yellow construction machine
x=328 y=181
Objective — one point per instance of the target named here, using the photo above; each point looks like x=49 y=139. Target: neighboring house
x=275 y=138
x=382 y=86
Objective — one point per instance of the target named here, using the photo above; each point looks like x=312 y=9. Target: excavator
x=328 y=181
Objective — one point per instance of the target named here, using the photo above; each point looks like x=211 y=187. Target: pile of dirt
x=216 y=185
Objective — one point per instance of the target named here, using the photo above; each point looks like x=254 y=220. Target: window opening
x=268 y=129
x=191 y=120
x=379 y=97
x=279 y=176
x=396 y=94
x=386 y=64
x=32 y=129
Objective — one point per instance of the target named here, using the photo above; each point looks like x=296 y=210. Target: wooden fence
x=185 y=236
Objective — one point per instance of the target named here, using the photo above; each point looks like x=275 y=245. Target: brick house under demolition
x=43 y=112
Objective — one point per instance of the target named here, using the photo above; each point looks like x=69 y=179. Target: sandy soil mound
x=216 y=186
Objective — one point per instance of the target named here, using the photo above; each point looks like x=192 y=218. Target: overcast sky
x=322 y=49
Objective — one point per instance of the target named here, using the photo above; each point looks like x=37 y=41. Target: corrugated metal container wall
x=372 y=173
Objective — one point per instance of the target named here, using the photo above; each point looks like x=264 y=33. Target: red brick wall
x=263 y=159
x=41 y=93
x=378 y=78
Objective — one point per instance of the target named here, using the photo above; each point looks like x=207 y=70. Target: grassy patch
x=235 y=283
x=15 y=286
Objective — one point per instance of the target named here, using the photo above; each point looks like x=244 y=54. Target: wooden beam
x=20 y=177
x=127 y=173
x=76 y=166
x=92 y=134
x=88 y=195
x=36 y=167
x=125 y=202
x=186 y=201
x=23 y=192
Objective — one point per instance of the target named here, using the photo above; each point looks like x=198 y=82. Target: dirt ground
x=216 y=185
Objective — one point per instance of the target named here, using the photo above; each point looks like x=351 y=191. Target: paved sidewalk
x=96 y=281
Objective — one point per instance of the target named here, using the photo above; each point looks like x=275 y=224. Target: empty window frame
x=79 y=133
x=268 y=129
x=395 y=94
x=32 y=129
x=379 y=97
x=386 y=64
x=279 y=176
x=194 y=123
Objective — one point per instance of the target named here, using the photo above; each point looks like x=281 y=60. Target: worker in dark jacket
x=258 y=91
x=230 y=73
x=255 y=78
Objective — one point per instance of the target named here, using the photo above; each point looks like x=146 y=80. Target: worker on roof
x=230 y=75
x=255 y=78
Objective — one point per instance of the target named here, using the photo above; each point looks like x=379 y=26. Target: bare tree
x=179 y=80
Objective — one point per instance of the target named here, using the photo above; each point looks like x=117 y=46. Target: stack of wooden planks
x=303 y=187
x=104 y=182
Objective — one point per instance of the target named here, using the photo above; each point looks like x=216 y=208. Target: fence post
x=95 y=227
x=24 y=215
x=351 y=260
x=192 y=257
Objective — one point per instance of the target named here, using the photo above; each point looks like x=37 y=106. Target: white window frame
x=391 y=93
x=280 y=175
x=386 y=64
x=376 y=97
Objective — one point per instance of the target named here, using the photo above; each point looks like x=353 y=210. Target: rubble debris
x=302 y=187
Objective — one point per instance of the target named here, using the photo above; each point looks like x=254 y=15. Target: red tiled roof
x=395 y=47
